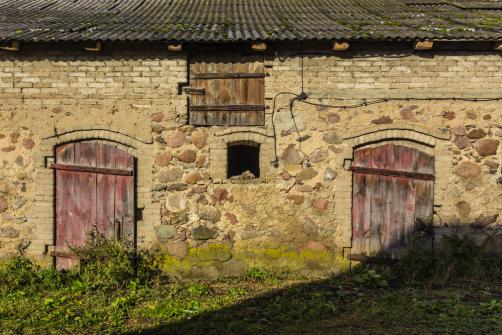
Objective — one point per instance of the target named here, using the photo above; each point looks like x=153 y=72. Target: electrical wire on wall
x=274 y=130
x=302 y=97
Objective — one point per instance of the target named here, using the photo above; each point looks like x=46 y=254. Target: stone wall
x=297 y=215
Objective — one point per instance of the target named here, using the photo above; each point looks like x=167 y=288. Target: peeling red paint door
x=393 y=187
x=94 y=190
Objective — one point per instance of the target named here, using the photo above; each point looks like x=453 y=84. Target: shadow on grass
x=339 y=306
x=467 y=299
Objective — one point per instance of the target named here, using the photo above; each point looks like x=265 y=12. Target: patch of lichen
x=271 y=258
x=209 y=253
x=204 y=256
x=292 y=260
x=175 y=267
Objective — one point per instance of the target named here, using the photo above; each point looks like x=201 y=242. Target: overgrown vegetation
x=454 y=289
x=95 y=297
x=457 y=257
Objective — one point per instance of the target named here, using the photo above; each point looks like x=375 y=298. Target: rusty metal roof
x=241 y=20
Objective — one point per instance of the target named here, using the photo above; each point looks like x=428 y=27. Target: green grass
x=338 y=305
x=119 y=290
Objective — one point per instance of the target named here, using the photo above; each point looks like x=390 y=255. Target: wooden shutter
x=230 y=90
x=393 y=187
x=94 y=190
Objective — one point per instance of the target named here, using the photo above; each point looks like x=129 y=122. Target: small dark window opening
x=242 y=158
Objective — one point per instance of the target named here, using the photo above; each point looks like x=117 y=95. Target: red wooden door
x=393 y=187
x=94 y=190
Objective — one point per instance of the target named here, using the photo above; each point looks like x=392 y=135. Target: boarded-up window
x=94 y=190
x=393 y=189
x=228 y=89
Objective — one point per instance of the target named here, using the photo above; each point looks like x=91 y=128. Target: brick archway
x=43 y=214
x=431 y=142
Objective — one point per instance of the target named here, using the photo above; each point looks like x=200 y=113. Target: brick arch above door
x=433 y=142
x=43 y=211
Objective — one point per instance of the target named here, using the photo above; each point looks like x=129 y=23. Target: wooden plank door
x=94 y=190
x=393 y=188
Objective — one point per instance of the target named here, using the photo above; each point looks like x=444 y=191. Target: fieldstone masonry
x=297 y=215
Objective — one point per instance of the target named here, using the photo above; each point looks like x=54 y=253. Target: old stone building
x=238 y=134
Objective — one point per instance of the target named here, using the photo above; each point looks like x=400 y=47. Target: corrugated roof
x=238 y=20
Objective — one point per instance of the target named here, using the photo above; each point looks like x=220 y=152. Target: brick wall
x=387 y=74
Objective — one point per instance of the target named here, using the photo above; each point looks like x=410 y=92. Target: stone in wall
x=170 y=175
x=306 y=174
x=462 y=142
x=193 y=177
x=333 y=118
x=176 y=187
x=28 y=143
x=209 y=213
x=176 y=203
x=319 y=155
x=468 y=169
x=492 y=165
x=175 y=139
x=203 y=233
x=199 y=189
x=201 y=161
x=291 y=156
x=408 y=113
x=157 y=128
x=383 y=120
x=199 y=138
x=330 y=174
x=18 y=203
x=9 y=148
x=285 y=122
x=463 y=207
x=449 y=115
x=157 y=117
x=476 y=134
x=483 y=220
x=471 y=115
x=459 y=130
x=9 y=232
x=232 y=218
x=285 y=175
x=320 y=203
x=220 y=195
x=178 y=249
x=19 y=161
x=331 y=137
x=163 y=159
x=14 y=137
x=486 y=146
x=296 y=199
x=187 y=156
x=165 y=232
x=249 y=232
x=304 y=188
